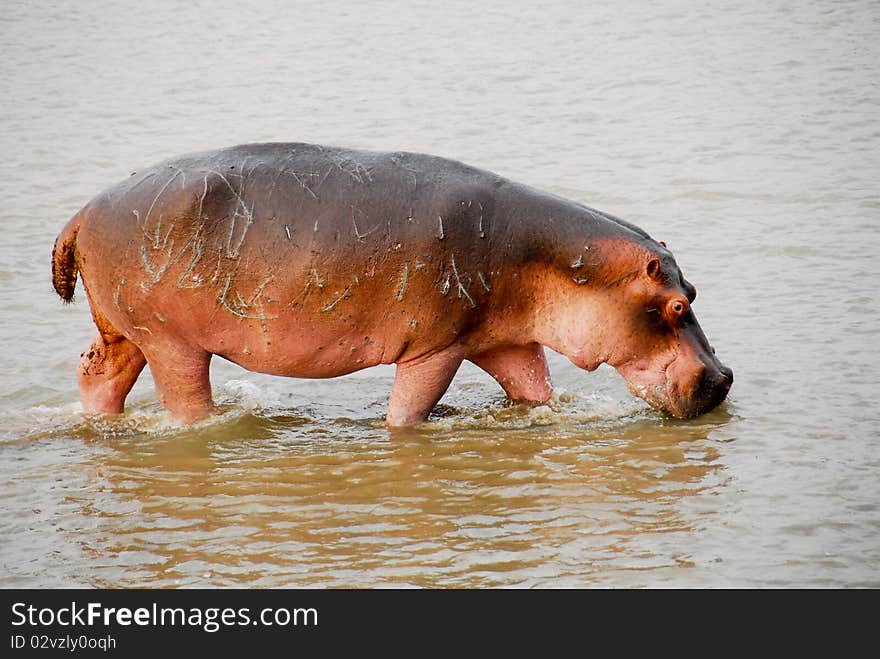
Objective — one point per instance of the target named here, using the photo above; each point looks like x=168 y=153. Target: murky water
x=743 y=134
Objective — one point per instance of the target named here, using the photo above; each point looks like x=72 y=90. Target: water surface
x=745 y=135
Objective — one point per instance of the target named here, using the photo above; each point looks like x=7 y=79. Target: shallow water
x=745 y=135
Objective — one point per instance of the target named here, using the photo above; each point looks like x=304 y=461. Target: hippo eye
x=678 y=306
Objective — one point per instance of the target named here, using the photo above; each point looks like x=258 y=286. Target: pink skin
x=645 y=329
x=590 y=326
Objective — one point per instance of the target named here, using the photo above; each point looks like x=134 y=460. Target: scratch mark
x=197 y=247
x=159 y=194
x=622 y=277
x=159 y=317
x=401 y=290
x=243 y=166
x=234 y=252
x=259 y=292
x=342 y=297
x=247 y=213
x=578 y=262
x=287 y=231
x=202 y=198
x=182 y=174
x=219 y=259
x=279 y=174
x=483 y=281
x=304 y=293
x=142 y=329
x=147 y=268
x=354 y=169
x=321 y=182
x=237 y=308
x=357 y=233
x=143 y=180
x=461 y=288
x=318 y=281
x=116 y=294
x=441 y=235
x=304 y=186
x=412 y=172
x=580 y=281
x=482 y=233
x=444 y=287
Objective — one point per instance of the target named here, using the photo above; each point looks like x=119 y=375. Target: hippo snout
x=712 y=386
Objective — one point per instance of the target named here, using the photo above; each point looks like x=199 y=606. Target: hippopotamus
x=314 y=262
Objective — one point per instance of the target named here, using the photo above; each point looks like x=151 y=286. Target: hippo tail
x=64 y=266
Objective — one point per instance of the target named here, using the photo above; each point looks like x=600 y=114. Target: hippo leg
x=107 y=372
x=520 y=370
x=182 y=381
x=418 y=385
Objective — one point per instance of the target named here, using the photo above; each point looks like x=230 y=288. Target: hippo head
x=635 y=314
x=662 y=353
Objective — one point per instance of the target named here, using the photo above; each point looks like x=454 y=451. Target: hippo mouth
x=701 y=395
x=682 y=391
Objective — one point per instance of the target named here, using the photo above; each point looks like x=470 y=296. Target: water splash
x=236 y=399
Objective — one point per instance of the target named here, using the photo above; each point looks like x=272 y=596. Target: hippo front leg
x=419 y=384
x=521 y=370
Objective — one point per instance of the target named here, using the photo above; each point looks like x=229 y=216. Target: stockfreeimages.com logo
x=210 y=619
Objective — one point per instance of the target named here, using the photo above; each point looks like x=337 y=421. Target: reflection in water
x=294 y=504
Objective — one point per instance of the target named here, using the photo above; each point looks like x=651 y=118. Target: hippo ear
x=653 y=270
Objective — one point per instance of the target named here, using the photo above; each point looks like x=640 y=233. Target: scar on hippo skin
x=357 y=234
x=404 y=277
x=204 y=269
x=461 y=289
x=345 y=295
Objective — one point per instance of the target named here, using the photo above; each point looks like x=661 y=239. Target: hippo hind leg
x=107 y=371
x=521 y=370
x=182 y=377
